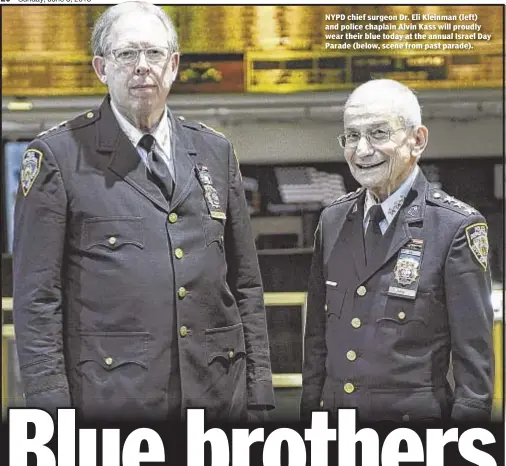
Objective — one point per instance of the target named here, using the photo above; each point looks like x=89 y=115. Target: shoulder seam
x=440 y=198
x=199 y=126
x=91 y=116
x=346 y=197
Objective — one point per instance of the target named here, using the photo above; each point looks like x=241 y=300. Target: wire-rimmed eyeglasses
x=130 y=55
x=375 y=137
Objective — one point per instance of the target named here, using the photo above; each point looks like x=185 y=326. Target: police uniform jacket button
x=179 y=253
x=356 y=322
x=401 y=315
x=183 y=331
x=112 y=240
x=173 y=217
x=89 y=115
x=321 y=403
x=436 y=195
x=231 y=354
x=361 y=290
x=181 y=292
x=405 y=418
x=349 y=387
x=351 y=355
x=108 y=361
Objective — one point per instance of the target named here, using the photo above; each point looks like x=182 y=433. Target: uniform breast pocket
x=406 y=317
x=113 y=233
x=214 y=230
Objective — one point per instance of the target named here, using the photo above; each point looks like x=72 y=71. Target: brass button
x=108 y=361
x=89 y=115
x=183 y=331
x=351 y=355
x=179 y=253
x=401 y=315
x=321 y=403
x=231 y=354
x=326 y=308
x=356 y=322
x=173 y=217
x=405 y=417
x=349 y=387
x=112 y=240
x=361 y=290
x=436 y=195
x=181 y=292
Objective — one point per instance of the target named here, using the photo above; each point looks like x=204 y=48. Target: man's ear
x=420 y=140
x=99 y=67
x=174 y=64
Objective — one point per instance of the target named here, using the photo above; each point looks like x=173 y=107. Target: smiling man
x=399 y=280
x=137 y=292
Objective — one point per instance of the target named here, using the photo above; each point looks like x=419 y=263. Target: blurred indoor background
x=262 y=75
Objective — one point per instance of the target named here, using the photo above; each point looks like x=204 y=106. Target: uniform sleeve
x=470 y=314
x=315 y=348
x=245 y=282
x=39 y=234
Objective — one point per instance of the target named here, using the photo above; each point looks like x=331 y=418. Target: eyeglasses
x=129 y=56
x=375 y=137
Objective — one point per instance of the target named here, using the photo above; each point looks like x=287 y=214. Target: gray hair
x=100 y=36
x=403 y=100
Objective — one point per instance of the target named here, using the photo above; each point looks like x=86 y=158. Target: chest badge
x=406 y=274
x=210 y=194
x=406 y=271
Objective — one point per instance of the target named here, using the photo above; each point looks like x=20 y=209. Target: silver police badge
x=477 y=240
x=30 y=168
x=212 y=196
x=406 y=271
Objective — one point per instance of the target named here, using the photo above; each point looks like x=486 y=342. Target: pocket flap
x=334 y=299
x=213 y=229
x=225 y=342
x=112 y=350
x=113 y=232
x=402 y=311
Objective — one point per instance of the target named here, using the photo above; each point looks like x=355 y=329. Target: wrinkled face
x=383 y=160
x=141 y=88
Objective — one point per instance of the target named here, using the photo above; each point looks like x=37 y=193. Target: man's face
x=141 y=88
x=383 y=160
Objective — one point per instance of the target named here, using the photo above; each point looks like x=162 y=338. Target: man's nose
x=142 y=66
x=364 y=147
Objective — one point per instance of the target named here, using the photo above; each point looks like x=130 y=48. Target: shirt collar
x=392 y=204
x=161 y=133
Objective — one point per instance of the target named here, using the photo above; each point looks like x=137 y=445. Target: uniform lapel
x=124 y=160
x=356 y=241
x=412 y=211
x=184 y=167
x=351 y=242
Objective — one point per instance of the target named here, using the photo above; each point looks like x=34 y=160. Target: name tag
x=406 y=274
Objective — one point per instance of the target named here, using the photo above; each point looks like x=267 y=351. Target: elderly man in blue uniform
x=137 y=291
x=399 y=286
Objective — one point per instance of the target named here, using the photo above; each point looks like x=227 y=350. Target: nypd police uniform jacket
x=118 y=292
x=380 y=337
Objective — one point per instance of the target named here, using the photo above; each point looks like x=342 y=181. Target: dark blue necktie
x=373 y=234
x=159 y=171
